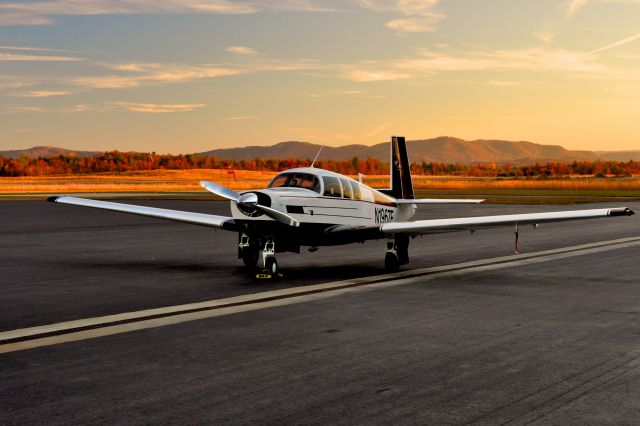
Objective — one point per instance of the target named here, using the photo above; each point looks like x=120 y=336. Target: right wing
x=210 y=220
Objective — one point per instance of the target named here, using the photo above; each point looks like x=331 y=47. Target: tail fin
x=400 y=171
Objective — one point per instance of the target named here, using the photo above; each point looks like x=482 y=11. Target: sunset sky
x=193 y=75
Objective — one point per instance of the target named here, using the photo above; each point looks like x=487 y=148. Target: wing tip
x=622 y=211
x=53 y=198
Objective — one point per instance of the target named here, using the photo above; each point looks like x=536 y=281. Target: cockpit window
x=356 y=190
x=295 y=180
x=331 y=186
x=346 y=189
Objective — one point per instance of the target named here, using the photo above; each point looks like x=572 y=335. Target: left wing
x=210 y=220
x=400 y=201
x=349 y=233
x=473 y=223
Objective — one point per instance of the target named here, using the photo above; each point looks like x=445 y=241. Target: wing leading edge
x=210 y=220
x=473 y=223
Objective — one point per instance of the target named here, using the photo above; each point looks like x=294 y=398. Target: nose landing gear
x=249 y=252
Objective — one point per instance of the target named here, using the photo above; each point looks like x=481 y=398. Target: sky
x=180 y=76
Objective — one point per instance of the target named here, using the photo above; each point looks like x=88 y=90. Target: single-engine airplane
x=315 y=207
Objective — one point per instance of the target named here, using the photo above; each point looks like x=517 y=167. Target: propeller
x=249 y=200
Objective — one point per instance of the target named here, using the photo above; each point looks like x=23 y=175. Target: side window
x=346 y=189
x=355 y=188
x=331 y=186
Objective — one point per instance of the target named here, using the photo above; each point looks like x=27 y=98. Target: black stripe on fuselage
x=389 y=204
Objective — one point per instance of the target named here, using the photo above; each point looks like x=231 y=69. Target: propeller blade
x=278 y=215
x=250 y=200
x=220 y=191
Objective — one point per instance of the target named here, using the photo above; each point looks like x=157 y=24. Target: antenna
x=317 y=155
x=360 y=176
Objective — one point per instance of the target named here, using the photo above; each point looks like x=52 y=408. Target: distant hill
x=45 y=151
x=619 y=155
x=442 y=149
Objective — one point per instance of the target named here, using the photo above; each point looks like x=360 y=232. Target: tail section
x=400 y=171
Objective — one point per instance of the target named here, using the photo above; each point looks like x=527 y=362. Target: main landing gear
x=249 y=251
x=397 y=253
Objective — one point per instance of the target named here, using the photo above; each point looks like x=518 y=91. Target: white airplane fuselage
x=354 y=204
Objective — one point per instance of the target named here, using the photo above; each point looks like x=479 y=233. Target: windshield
x=296 y=180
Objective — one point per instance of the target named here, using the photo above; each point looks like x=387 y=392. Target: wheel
x=250 y=257
x=271 y=265
x=391 y=262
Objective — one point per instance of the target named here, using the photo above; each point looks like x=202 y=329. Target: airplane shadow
x=294 y=275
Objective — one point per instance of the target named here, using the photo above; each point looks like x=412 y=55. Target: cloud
x=13 y=57
x=419 y=14
x=79 y=108
x=363 y=75
x=26 y=109
x=574 y=6
x=43 y=12
x=35 y=49
x=545 y=36
x=528 y=59
x=40 y=12
x=376 y=131
x=12 y=84
x=241 y=50
x=412 y=25
x=242 y=117
x=128 y=75
x=503 y=83
x=41 y=94
x=23 y=19
x=616 y=44
x=155 y=108
x=141 y=74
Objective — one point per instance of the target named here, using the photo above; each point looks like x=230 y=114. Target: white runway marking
x=89 y=328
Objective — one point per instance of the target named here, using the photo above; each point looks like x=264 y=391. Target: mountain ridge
x=443 y=149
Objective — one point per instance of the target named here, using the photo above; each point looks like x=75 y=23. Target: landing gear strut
x=269 y=257
x=248 y=251
x=397 y=253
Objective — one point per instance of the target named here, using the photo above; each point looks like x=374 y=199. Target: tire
x=391 y=262
x=250 y=257
x=271 y=265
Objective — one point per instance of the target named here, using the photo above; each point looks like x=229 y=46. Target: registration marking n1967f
x=384 y=215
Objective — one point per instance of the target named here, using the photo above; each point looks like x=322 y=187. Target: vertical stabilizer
x=401 y=184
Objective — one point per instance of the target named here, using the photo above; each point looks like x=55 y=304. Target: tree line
x=116 y=161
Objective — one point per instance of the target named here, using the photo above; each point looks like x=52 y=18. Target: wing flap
x=473 y=223
x=212 y=221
